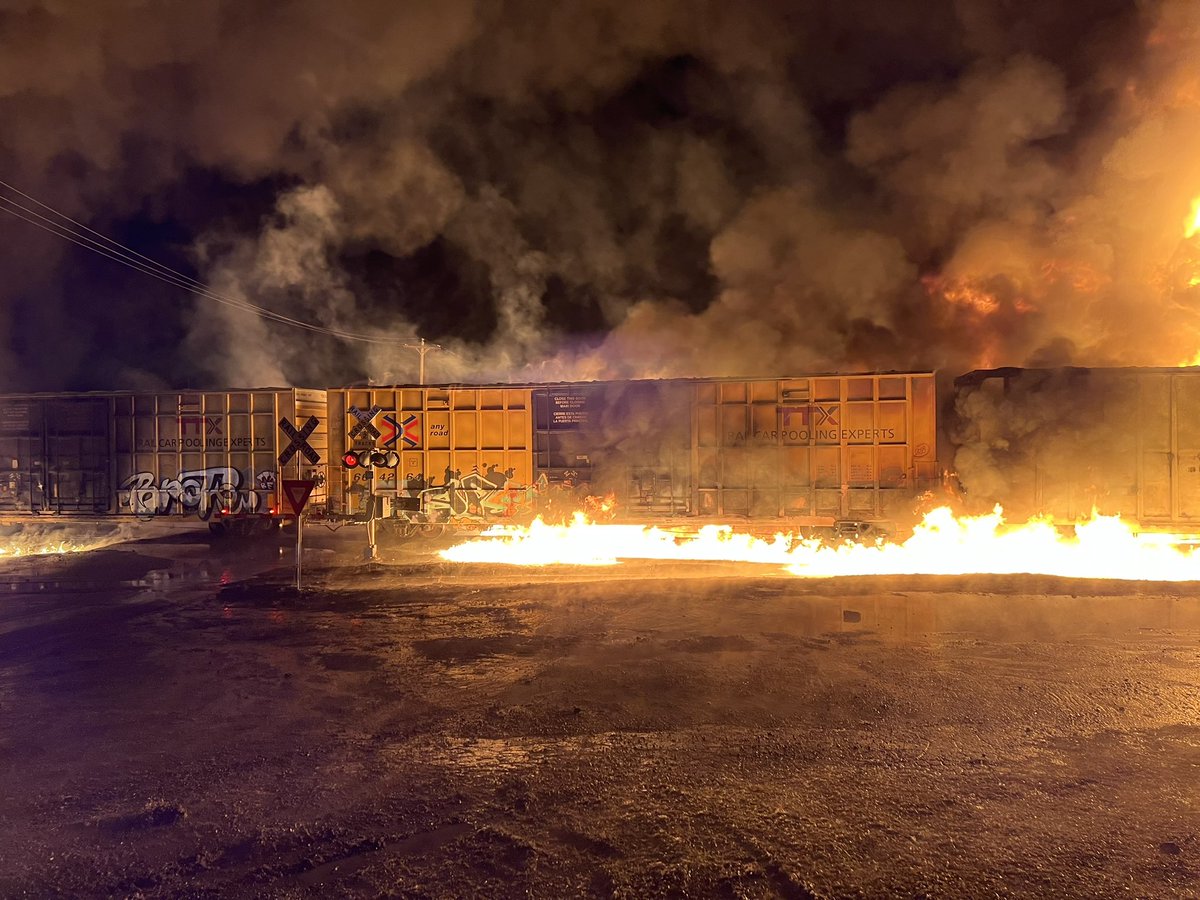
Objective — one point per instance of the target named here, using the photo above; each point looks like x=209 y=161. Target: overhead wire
x=118 y=252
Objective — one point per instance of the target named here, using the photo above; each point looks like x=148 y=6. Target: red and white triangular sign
x=296 y=493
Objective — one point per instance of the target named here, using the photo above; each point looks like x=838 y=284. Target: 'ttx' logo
x=810 y=415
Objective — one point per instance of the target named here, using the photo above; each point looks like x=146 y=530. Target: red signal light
x=351 y=459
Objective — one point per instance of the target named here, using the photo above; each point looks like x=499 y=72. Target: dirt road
x=175 y=720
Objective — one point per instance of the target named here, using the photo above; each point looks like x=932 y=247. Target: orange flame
x=600 y=508
x=1182 y=272
x=1192 y=224
x=1082 y=277
x=943 y=544
x=961 y=292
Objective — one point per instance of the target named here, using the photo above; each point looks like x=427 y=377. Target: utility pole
x=422 y=348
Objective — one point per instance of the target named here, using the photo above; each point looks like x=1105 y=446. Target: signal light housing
x=383 y=459
x=365 y=459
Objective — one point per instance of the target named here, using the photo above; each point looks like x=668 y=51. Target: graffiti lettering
x=199 y=491
x=473 y=498
x=492 y=494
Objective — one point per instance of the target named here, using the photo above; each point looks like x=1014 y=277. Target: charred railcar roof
x=44 y=395
x=465 y=385
x=1008 y=373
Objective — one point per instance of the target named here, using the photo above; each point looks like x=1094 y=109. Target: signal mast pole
x=372 y=552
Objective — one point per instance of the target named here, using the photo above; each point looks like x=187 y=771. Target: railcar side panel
x=461 y=453
x=1062 y=442
x=824 y=448
x=628 y=440
x=217 y=453
x=55 y=453
x=158 y=454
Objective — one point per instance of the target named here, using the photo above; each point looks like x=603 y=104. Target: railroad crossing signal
x=364 y=459
x=364 y=425
x=296 y=493
x=299 y=441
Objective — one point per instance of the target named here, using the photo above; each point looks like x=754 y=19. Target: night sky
x=597 y=189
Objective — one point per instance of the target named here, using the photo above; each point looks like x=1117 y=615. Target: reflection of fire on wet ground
x=34 y=550
x=36 y=539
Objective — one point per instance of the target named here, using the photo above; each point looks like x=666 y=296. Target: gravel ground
x=178 y=721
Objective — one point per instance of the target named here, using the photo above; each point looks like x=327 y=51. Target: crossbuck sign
x=299 y=441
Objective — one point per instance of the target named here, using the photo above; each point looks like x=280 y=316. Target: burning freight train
x=833 y=454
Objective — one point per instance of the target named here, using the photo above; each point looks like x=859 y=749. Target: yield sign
x=297 y=493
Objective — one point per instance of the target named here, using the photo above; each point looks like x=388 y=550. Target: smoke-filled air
x=599 y=189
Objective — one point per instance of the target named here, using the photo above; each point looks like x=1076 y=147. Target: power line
x=180 y=281
x=118 y=252
x=102 y=237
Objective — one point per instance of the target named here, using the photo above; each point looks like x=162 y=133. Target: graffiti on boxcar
x=199 y=491
x=474 y=497
x=490 y=494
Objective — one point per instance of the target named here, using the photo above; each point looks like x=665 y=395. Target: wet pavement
x=178 y=720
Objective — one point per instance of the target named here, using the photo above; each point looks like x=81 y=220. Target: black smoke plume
x=599 y=189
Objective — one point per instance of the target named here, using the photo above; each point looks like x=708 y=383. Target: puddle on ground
x=343 y=866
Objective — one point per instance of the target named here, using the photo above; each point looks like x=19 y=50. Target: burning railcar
x=845 y=452
x=1064 y=442
x=841 y=452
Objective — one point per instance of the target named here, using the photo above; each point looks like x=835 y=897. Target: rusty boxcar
x=212 y=454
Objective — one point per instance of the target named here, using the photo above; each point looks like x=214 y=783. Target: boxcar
x=820 y=450
x=837 y=451
x=1062 y=442
x=158 y=455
